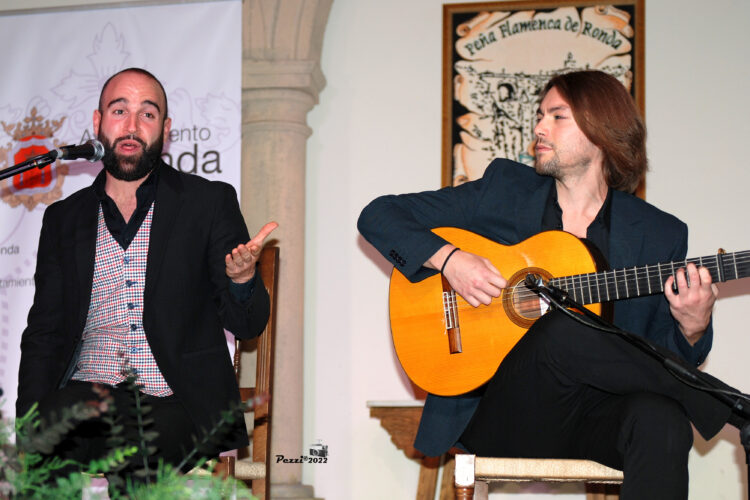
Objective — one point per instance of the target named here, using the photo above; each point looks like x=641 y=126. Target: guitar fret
x=713 y=270
x=659 y=282
x=734 y=259
x=635 y=276
x=648 y=280
x=615 y=284
x=617 y=288
x=598 y=291
x=581 y=280
x=606 y=286
x=574 y=287
x=625 y=280
x=661 y=279
x=687 y=278
x=571 y=285
x=583 y=288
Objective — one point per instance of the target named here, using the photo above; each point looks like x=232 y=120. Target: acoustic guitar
x=447 y=347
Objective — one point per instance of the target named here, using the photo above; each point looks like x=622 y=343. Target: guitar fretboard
x=637 y=281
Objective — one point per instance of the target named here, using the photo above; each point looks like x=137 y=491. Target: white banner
x=54 y=65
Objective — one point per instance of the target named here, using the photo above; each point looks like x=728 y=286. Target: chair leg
x=258 y=488
x=464 y=477
x=464 y=493
x=481 y=490
x=447 y=489
x=602 y=491
x=225 y=467
x=428 y=474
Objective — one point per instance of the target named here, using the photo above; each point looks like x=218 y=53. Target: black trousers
x=569 y=391
x=87 y=441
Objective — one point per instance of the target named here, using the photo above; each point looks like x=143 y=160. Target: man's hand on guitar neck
x=692 y=306
x=473 y=277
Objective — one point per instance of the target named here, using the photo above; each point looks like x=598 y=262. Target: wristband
x=448 y=257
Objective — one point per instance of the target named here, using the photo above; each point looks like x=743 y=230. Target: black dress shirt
x=598 y=231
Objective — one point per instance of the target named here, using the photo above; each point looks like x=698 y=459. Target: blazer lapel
x=84 y=250
x=166 y=208
x=529 y=212
x=625 y=234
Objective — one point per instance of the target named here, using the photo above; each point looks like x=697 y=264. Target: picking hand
x=240 y=262
x=473 y=277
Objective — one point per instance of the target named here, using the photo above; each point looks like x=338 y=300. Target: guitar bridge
x=450 y=318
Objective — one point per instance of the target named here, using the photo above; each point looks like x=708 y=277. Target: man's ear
x=167 y=128
x=97 y=120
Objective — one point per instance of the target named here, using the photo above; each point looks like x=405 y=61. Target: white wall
x=377 y=130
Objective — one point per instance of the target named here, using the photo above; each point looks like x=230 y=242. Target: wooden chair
x=257 y=468
x=602 y=483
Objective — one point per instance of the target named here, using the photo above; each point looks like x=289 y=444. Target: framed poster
x=498 y=56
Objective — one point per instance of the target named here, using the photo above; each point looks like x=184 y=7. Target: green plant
x=26 y=470
x=26 y=473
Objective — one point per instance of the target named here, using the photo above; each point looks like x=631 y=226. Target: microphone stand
x=39 y=161
x=678 y=367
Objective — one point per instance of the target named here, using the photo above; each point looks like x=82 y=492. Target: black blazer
x=506 y=205
x=187 y=302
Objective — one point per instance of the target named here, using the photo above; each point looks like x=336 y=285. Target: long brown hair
x=606 y=114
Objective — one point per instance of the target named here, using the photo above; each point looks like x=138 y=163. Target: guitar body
x=487 y=333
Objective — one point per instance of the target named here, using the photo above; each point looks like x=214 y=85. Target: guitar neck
x=638 y=281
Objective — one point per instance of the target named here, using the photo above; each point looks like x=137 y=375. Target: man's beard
x=554 y=166
x=131 y=168
x=550 y=167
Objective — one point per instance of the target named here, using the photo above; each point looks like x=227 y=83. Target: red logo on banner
x=35 y=177
x=31 y=137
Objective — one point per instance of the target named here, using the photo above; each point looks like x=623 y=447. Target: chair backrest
x=268 y=265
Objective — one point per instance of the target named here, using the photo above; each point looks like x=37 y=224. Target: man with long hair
x=565 y=390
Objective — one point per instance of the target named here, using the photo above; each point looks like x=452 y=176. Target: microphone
x=536 y=283
x=91 y=150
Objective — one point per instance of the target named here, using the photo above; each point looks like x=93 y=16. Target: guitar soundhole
x=522 y=305
x=526 y=302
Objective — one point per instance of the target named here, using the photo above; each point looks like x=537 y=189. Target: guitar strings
x=583 y=285
x=612 y=282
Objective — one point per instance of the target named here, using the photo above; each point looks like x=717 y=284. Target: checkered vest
x=113 y=337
